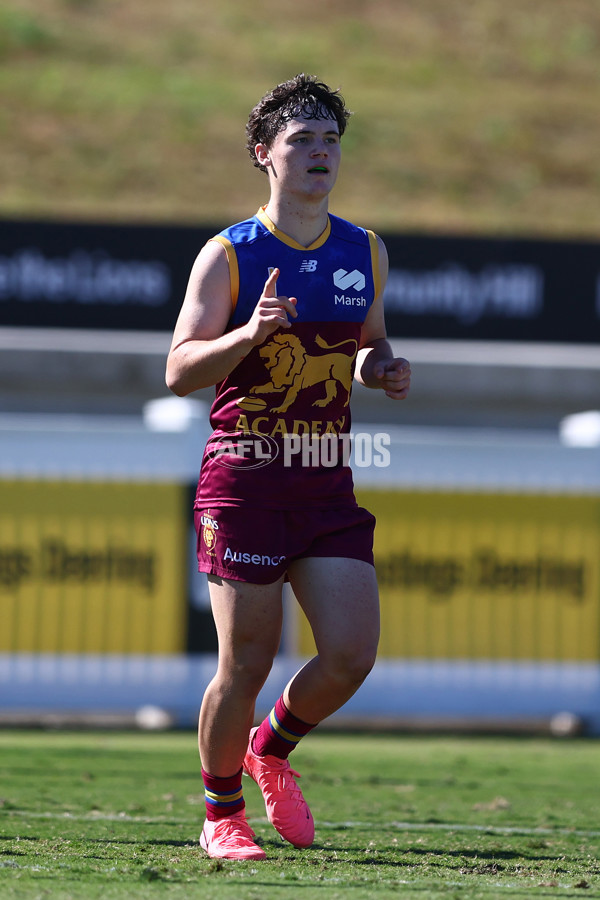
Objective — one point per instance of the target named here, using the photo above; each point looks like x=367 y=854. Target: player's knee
x=361 y=666
x=251 y=670
x=352 y=665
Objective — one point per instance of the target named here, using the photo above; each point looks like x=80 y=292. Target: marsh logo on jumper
x=344 y=280
x=292 y=369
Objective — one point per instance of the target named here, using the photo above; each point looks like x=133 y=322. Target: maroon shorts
x=257 y=545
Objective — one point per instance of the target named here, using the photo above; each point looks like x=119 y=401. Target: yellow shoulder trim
x=234 y=271
x=375 y=261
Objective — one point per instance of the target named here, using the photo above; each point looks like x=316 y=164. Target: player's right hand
x=271 y=311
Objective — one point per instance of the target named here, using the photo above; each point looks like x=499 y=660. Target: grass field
x=478 y=117
x=116 y=816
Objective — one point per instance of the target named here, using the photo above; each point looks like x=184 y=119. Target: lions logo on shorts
x=209 y=532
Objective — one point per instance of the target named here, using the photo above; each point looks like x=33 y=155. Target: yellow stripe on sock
x=286 y=735
x=223 y=798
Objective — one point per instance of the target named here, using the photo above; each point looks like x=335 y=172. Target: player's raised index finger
x=271 y=284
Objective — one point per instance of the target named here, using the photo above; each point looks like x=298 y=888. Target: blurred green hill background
x=472 y=116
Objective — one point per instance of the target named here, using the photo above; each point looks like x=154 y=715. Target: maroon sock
x=279 y=733
x=223 y=796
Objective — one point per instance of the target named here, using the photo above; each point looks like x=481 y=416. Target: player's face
x=304 y=158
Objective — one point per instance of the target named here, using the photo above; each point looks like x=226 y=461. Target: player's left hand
x=394 y=377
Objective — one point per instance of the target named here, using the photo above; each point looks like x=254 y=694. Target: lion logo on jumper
x=292 y=369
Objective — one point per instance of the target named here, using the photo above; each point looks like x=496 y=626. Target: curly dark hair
x=302 y=95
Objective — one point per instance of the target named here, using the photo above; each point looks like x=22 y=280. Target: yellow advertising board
x=486 y=576
x=92 y=567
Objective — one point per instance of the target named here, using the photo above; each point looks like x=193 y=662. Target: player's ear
x=262 y=155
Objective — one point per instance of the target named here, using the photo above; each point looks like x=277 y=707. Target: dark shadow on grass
x=487 y=862
x=19 y=837
x=296 y=885
x=143 y=842
x=507 y=855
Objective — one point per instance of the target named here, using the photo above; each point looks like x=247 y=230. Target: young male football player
x=281 y=312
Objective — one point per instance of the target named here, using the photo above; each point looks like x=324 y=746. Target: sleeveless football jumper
x=294 y=387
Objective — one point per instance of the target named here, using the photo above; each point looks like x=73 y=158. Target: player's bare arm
x=202 y=353
x=376 y=366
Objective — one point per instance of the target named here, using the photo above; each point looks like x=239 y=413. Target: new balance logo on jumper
x=308 y=265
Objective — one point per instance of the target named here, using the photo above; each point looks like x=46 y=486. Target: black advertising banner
x=74 y=275
x=132 y=277
x=493 y=290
